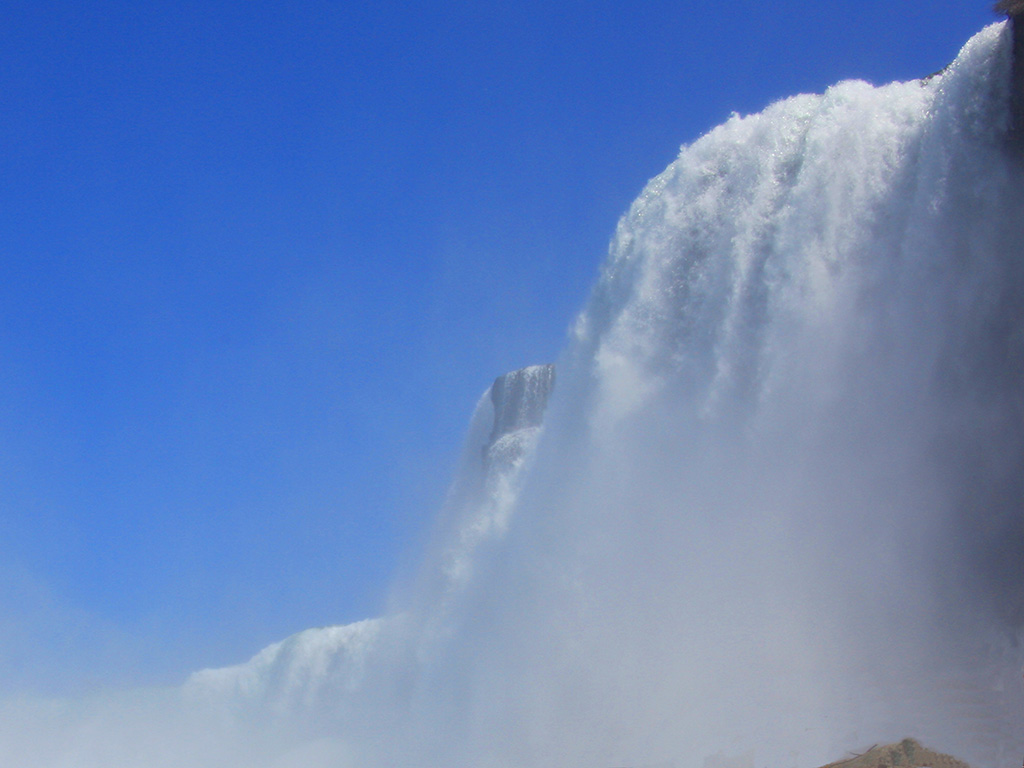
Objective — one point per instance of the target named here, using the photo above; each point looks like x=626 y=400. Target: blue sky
x=258 y=260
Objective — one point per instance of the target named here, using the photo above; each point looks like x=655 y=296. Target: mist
x=774 y=512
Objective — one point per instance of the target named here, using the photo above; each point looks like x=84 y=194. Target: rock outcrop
x=906 y=754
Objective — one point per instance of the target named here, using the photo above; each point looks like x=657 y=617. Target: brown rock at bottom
x=906 y=754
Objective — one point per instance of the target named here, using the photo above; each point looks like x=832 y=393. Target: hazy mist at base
x=775 y=512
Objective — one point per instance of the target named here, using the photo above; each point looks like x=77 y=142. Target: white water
x=776 y=511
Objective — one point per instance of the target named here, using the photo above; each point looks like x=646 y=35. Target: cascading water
x=777 y=509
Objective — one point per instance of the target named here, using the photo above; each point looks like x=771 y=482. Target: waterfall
x=775 y=511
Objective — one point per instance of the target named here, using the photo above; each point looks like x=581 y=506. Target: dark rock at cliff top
x=1010 y=7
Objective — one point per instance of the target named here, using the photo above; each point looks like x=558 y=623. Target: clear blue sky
x=258 y=260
